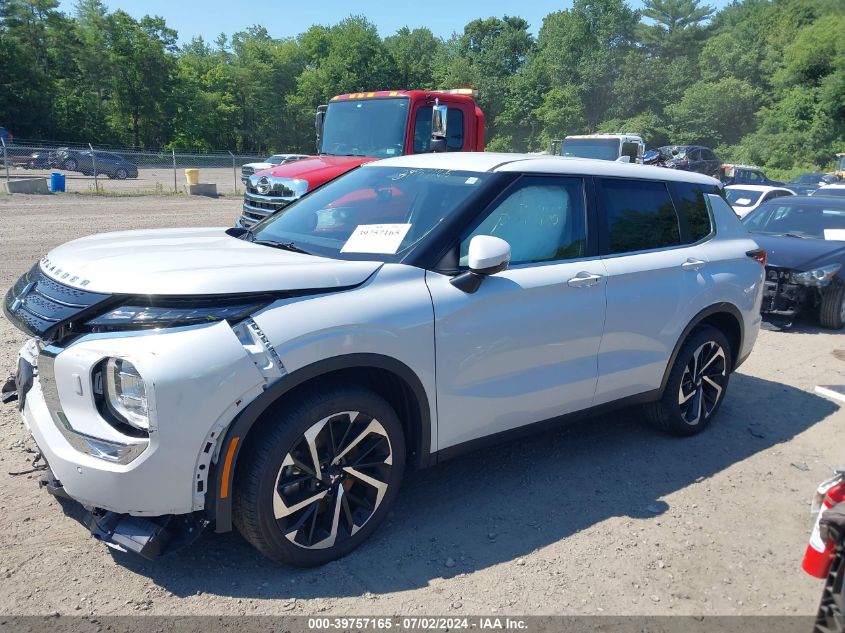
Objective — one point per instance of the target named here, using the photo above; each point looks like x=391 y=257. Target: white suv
x=282 y=379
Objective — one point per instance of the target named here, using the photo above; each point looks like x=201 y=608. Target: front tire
x=832 y=309
x=696 y=386
x=71 y=164
x=320 y=476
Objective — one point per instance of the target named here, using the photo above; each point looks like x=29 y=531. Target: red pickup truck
x=360 y=127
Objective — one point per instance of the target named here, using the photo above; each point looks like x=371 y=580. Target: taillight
x=759 y=255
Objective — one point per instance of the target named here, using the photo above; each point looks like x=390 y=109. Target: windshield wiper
x=285 y=246
x=803 y=237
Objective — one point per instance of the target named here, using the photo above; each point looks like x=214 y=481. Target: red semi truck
x=360 y=127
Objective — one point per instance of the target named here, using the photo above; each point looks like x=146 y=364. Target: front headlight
x=126 y=394
x=173 y=313
x=818 y=277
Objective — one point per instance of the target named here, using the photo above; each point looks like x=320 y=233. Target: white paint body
x=525 y=347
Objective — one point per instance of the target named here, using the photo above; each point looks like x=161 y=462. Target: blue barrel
x=57 y=182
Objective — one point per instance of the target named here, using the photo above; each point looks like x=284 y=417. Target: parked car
x=804 y=184
x=745 y=175
x=283 y=377
x=805 y=240
x=745 y=198
x=271 y=161
x=690 y=158
x=40 y=160
x=835 y=191
x=107 y=163
x=6 y=135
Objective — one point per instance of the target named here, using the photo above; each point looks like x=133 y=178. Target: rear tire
x=696 y=386
x=121 y=174
x=832 y=310
x=302 y=515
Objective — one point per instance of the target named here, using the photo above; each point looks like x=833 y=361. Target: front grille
x=37 y=304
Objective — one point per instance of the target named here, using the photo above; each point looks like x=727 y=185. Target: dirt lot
x=149 y=180
x=605 y=516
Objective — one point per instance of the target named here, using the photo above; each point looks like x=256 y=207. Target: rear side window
x=692 y=210
x=639 y=215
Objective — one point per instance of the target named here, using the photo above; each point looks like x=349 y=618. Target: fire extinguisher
x=819 y=554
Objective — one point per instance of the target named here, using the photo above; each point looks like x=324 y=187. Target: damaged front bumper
x=149 y=537
x=782 y=298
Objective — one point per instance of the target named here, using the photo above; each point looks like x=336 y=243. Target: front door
x=523 y=347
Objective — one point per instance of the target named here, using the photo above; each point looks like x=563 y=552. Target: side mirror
x=623 y=159
x=439 y=114
x=318 y=123
x=487 y=255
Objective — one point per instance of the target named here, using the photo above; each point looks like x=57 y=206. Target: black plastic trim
x=221 y=509
x=537 y=427
x=716 y=308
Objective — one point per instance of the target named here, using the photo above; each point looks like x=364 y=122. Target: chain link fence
x=118 y=170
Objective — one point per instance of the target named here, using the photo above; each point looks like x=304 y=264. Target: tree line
x=760 y=81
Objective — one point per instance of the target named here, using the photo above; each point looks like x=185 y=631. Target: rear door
x=656 y=273
x=523 y=347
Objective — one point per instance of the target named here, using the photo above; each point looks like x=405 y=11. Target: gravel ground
x=149 y=180
x=603 y=517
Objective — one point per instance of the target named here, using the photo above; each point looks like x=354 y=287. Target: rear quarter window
x=693 y=214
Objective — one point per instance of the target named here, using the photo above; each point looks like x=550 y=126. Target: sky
x=284 y=18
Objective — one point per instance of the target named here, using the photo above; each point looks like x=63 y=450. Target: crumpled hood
x=204 y=261
x=800 y=254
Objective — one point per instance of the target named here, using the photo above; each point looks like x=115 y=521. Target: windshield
x=824 y=220
x=672 y=151
x=742 y=197
x=366 y=127
x=601 y=148
x=275 y=160
x=371 y=213
x=831 y=191
x=807 y=179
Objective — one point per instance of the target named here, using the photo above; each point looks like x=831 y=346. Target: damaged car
x=281 y=379
x=805 y=241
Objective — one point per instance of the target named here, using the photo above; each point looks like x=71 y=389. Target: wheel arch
x=725 y=317
x=393 y=380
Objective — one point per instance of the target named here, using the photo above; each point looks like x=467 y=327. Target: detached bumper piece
x=831 y=615
x=781 y=299
x=149 y=537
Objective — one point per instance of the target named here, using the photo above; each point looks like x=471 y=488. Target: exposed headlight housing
x=126 y=394
x=818 y=277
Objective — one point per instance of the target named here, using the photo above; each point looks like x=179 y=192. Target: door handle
x=584 y=279
x=693 y=264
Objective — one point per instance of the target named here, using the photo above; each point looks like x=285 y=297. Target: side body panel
x=522 y=348
x=389 y=315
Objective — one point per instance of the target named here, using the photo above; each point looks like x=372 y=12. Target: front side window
x=542 y=218
x=639 y=214
x=454 y=130
x=371 y=213
x=631 y=150
x=366 y=127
